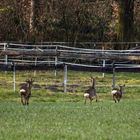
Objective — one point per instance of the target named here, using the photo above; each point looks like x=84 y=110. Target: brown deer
x=117 y=93
x=25 y=92
x=91 y=92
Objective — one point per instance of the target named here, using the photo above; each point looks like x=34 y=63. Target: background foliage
x=65 y=20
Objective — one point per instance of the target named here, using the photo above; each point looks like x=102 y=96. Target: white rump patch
x=22 y=90
x=114 y=91
x=86 y=95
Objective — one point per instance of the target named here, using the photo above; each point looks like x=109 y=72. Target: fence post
x=103 y=74
x=65 y=78
x=14 y=76
x=56 y=60
x=113 y=77
x=6 y=57
x=35 y=66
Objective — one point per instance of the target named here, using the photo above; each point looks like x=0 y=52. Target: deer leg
x=90 y=101
x=85 y=100
x=27 y=101
x=24 y=103
x=96 y=98
x=91 y=98
x=118 y=99
x=22 y=100
x=114 y=98
x=28 y=97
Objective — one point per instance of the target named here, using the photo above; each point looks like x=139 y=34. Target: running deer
x=117 y=93
x=91 y=92
x=25 y=92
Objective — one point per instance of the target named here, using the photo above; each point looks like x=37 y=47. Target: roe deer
x=117 y=93
x=91 y=92
x=25 y=92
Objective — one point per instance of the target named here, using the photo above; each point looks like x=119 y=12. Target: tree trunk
x=124 y=14
x=32 y=18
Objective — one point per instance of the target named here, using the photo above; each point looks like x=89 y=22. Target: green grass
x=63 y=116
x=70 y=121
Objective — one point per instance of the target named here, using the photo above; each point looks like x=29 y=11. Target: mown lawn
x=63 y=116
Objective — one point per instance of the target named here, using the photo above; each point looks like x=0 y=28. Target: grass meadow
x=54 y=115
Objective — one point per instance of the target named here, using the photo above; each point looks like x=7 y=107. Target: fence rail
x=58 y=53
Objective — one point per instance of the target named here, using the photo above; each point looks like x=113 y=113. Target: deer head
x=122 y=88
x=29 y=82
